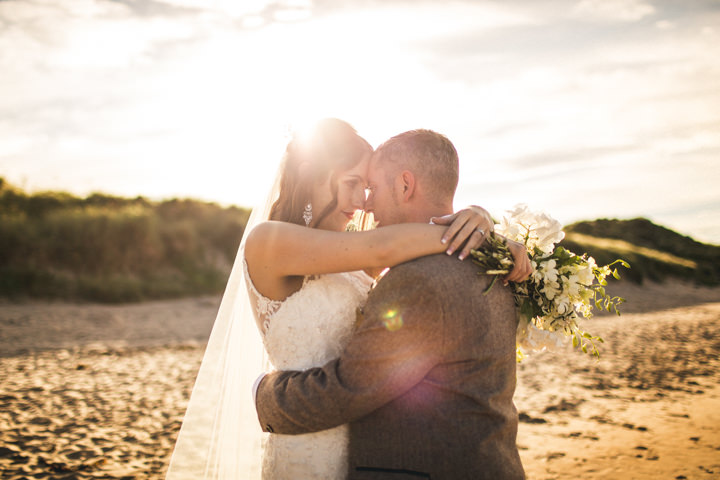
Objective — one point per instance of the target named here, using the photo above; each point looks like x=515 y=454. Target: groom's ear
x=407 y=184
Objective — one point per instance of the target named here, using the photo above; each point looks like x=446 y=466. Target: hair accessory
x=307 y=214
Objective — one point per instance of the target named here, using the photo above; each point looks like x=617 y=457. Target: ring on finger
x=480 y=231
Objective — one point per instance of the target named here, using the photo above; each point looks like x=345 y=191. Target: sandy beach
x=98 y=391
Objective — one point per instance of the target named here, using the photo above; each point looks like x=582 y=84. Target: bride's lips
x=349 y=215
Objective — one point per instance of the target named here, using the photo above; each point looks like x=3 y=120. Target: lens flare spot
x=393 y=320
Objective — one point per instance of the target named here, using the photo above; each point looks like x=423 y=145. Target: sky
x=580 y=108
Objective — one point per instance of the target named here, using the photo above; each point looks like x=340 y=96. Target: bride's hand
x=522 y=268
x=469 y=226
x=472 y=226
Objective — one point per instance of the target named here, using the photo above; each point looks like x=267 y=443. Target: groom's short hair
x=429 y=155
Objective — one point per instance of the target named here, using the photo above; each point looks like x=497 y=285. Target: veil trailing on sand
x=220 y=437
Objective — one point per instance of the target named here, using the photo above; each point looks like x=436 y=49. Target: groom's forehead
x=376 y=165
x=381 y=162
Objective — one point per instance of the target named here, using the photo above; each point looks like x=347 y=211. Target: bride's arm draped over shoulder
x=283 y=249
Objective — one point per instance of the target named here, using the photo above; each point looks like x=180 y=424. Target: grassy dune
x=103 y=248
x=112 y=249
x=654 y=252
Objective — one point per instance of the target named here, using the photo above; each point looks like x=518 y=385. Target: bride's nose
x=358 y=199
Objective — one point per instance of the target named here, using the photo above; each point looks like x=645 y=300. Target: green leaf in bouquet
x=526 y=309
x=492 y=283
x=621 y=262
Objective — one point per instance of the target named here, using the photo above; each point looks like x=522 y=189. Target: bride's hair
x=330 y=148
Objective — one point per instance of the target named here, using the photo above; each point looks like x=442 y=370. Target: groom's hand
x=469 y=226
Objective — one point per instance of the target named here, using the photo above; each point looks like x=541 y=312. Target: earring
x=307 y=214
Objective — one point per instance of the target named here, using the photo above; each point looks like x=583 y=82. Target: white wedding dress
x=308 y=329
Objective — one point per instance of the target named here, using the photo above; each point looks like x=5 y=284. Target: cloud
x=494 y=131
x=158 y=8
x=244 y=14
x=584 y=156
x=613 y=10
x=164 y=97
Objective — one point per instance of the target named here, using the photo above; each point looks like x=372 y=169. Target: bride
x=300 y=276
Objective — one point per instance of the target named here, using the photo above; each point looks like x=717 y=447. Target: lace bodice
x=263 y=307
x=312 y=325
x=306 y=330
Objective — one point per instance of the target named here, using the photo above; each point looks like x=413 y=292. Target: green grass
x=654 y=252
x=113 y=249
x=54 y=245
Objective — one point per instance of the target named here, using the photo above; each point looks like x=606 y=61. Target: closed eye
x=354 y=181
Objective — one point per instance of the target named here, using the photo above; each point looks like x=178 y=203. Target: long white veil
x=220 y=437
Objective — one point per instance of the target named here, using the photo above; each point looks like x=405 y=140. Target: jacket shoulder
x=440 y=268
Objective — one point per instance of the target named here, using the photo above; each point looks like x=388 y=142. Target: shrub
x=113 y=249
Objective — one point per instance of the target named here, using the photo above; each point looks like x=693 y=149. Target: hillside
x=655 y=252
x=112 y=249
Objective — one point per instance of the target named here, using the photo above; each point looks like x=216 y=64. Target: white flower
x=533 y=339
x=551 y=289
x=511 y=230
x=563 y=305
x=548 y=232
x=550 y=269
x=534 y=229
x=585 y=276
x=572 y=286
x=521 y=213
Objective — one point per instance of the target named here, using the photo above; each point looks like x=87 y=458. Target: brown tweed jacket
x=426 y=382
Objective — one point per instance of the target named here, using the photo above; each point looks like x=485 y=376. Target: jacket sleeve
x=398 y=339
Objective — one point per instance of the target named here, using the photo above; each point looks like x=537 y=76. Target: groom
x=427 y=379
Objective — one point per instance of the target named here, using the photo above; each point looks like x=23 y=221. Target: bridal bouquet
x=563 y=287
